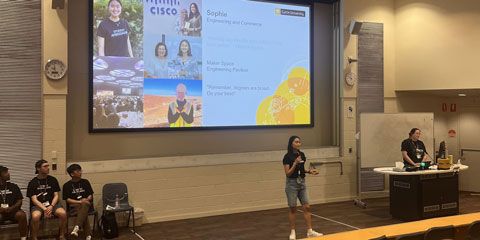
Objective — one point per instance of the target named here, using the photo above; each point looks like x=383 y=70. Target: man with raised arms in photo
x=180 y=112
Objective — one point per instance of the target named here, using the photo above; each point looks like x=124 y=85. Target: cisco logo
x=163 y=7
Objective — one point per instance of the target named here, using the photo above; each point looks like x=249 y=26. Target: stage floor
x=273 y=224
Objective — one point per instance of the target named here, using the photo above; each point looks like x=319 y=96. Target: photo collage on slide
x=118 y=64
x=173 y=63
x=199 y=63
x=147 y=74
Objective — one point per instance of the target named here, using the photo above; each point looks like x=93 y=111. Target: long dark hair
x=109 y=2
x=412 y=131
x=290 y=141
x=121 y=5
x=189 y=53
x=190 y=14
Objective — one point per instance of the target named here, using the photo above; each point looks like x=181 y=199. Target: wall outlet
x=350 y=112
x=54 y=160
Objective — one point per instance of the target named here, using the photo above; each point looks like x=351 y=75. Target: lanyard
x=44 y=190
x=76 y=190
x=414 y=144
x=298 y=168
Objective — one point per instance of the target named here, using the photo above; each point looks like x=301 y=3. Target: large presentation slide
x=199 y=63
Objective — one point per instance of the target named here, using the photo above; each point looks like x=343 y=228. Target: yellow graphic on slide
x=290 y=103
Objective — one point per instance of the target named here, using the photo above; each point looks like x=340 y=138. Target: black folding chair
x=380 y=238
x=8 y=223
x=113 y=192
x=473 y=232
x=440 y=233
x=411 y=236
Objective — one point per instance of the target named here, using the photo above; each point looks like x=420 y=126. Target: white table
x=390 y=171
x=424 y=193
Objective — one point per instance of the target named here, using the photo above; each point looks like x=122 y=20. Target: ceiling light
x=462 y=95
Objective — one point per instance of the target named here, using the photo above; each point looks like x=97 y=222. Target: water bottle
x=117 y=201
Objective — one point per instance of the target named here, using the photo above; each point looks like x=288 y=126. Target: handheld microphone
x=298 y=155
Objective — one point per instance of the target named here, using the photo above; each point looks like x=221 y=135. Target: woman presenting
x=113 y=33
x=295 y=187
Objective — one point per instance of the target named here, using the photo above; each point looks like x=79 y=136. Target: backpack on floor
x=109 y=226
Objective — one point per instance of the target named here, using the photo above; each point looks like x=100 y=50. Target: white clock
x=351 y=79
x=55 y=69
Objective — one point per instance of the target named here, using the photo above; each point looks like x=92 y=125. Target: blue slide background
x=239 y=65
x=167 y=87
x=273 y=53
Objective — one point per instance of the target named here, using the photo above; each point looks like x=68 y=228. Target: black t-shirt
x=77 y=190
x=116 y=37
x=43 y=189
x=412 y=148
x=289 y=158
x=11 y=194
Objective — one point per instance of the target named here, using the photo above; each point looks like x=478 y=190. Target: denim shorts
x=296 y=188
x=36 y=208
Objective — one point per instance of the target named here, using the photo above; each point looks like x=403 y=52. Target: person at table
x=413 y=150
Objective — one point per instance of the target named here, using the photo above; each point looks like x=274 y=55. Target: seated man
x=79 y=195
x=44 y=200
x=11 y=202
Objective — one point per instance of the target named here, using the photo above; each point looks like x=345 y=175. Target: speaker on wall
x=60 y=4
x=355 y=27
